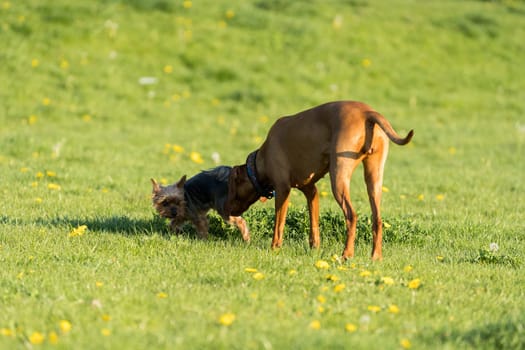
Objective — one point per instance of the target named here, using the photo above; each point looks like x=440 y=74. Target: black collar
x=251 y=169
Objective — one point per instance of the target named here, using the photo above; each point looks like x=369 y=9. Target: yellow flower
x=405 y=344
x=421 y=197
x=32 y=119
x=46 y=101
x=322 y=265
x=386 y=224
x=292 y=272
x=366 y=62
x=105 y=332
x=332 y=278
x=385 y=189
x=320 y=309
x=52 y=338
x=168 y=69
x=440 y=197
x=65 y=326
x=337 y=22
x=53 y=187
x=393 y=309
x=106 y=318
x=227 y=319
x=6 y=332
x=315 y=325
x=162 y=295
x=51 y=173
x=452 y=150
x=230 y=14
x=39 y=175
x=440 y=258
x=324 y=194
x=339 y=288
x=350 y=327
x=374 y=308
x=178 y=149
x=79 y=231
x=99 y=284
x=86 y=118
x=365 y=273
x=414 y=284
x=187 y=4
x=321 y=299
x=389 y=281
x=258 y=276
x=36 y=338
x=196 y=157
x=408 y=268
x=250 y=269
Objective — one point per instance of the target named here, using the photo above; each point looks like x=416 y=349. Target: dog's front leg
x=312 y=198
x=282 y=199
x=202 y=225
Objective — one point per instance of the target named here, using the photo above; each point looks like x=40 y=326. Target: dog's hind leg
x=312 y=198
x=341 y=170
x=241 y=225
x=373 y=167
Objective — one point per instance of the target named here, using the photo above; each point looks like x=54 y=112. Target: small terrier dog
x=192 y=199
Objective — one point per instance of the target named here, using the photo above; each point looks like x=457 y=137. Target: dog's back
x=208 y=189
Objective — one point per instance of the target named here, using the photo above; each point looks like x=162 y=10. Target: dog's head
x=241 y=193
x=169 y=200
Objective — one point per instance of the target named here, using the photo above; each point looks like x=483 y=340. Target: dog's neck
x=262 y=187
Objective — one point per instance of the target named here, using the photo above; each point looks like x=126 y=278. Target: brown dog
x=299 y=150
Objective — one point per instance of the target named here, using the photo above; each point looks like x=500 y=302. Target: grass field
x=99 y=96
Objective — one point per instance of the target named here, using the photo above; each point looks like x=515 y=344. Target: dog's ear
x=156 y=187
x=181 y=182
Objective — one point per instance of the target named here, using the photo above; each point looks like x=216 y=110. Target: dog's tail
x=373 y=117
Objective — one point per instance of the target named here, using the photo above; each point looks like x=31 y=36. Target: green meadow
x=97 y=97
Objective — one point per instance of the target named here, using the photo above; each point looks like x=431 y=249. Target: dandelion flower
x=53 y=338
x=374 y=308
x=315 y=325
x=32 y=119
x=36 y=338
x=389 y=281
x=292 y=272
x=79 y=231
x=105 y=332
x=86 y=118
x=386 y=224
x=385 y=189
x=34 y=63
x=196 y=157
x=105 y=318
x=65 y=326
x=250 y=269
x=440 y=258
x=452 y=150
x=230 y=14
x=53 y=187
x=6 y=332
x=405 y=344
x=421 y=197
x=365 y=273
x=322 y=265
x=393 y=309
x=187 y=4
x=320 y=298
x=414 y=284
x=64 y=64
x=50 y=173
x=408 y=268
x=162 y=295
x=350 y=327
x=177 y=149
x=332 y=278
x=366 y=62
x=227 y=319
x=324 y=194
x=440 y=197
x=168 y=69
x=339 y=288
x=258 y=276
x=99 y=284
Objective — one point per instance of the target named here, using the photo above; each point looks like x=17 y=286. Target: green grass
x=74 y=115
